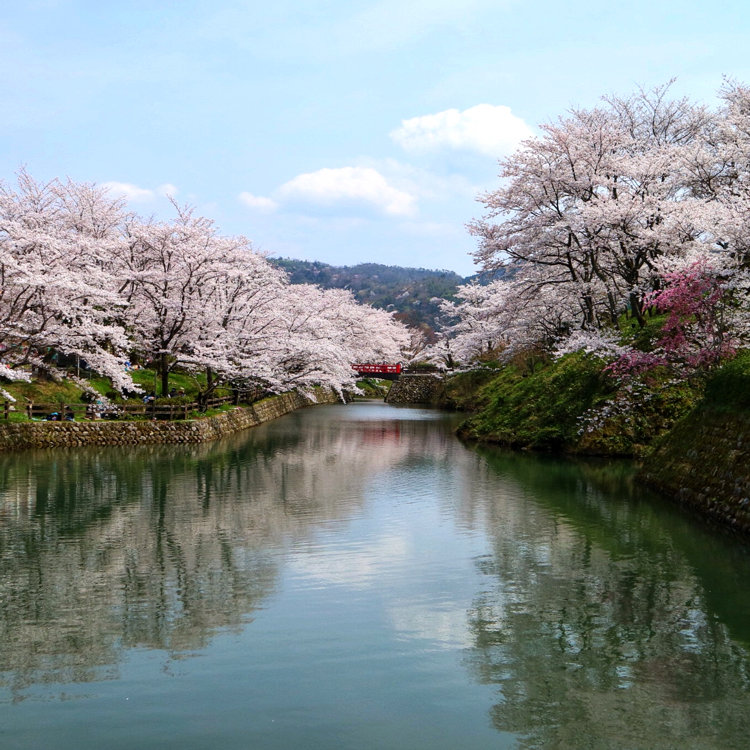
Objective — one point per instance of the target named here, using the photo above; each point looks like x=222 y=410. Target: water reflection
x=497 y=598
x=598 y=623
x=103 y=550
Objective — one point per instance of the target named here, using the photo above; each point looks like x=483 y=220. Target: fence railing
x=61 y=411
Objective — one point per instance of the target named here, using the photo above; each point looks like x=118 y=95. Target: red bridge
x=380 y=370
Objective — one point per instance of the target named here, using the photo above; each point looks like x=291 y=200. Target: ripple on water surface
x=353 y=576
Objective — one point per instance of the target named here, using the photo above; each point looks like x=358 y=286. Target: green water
x=354 y=577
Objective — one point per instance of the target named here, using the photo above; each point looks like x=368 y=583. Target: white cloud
x=359 y=185
x=424 y=183
x=167 y=190
x=130 y=192
x=135 y=194
x=258 y=202
x=486 y=128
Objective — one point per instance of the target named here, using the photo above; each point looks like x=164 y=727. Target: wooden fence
x=76 y=412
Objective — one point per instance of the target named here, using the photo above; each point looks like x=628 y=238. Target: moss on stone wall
x=417 y=389
x=704 y=464
x=704 y=461
x=540 y=407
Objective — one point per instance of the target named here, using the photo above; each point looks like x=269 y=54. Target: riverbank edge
x=17 y=436
x=703 y=464
x=427 y=389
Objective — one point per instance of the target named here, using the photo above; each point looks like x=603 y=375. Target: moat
x=356 y=577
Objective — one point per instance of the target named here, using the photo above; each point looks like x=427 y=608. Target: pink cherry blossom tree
x=324 y=332
x=80 y=276
x=594 y=203
x=57 y=290
x=171 y=272
x=706 y=321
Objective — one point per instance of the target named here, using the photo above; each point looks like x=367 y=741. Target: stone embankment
x=417 y=389
x=24 y=435
x=704 y=463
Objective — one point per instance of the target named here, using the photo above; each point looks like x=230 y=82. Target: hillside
x=414 y=293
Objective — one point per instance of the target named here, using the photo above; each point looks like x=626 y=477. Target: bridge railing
x=382 y=368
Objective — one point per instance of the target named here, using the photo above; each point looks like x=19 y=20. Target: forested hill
x=414 y=293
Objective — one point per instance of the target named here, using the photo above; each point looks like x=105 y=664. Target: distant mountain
x=413 y=293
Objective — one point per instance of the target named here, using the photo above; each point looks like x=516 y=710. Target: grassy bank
x=374 y=388
x=572 y=405
x=75 y=391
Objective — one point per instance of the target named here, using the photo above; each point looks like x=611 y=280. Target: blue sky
x=341 y=131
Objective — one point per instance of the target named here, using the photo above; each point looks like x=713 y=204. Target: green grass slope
x=572 y=405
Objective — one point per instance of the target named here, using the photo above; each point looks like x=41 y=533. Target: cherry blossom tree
x=242 y=320
x=697 y=328
x=324 y=332
x=594 y=202
x=508 y=316
x=705 y=322
x=171 y=271
x=80 y=276
x=606 y=215
x=57 y=291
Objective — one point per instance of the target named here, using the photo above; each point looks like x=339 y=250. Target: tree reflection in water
x=576 y=609
x=102 y=550
x=596 y=623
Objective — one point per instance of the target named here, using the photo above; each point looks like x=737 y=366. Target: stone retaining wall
x=704 y=464
x=24 y=435
x=417 y=389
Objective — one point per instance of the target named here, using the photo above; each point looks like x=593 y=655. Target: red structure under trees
x=378 y=370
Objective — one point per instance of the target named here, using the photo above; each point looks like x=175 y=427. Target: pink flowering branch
x=634 y=362
x=695 y=333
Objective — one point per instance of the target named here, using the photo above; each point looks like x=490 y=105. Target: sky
x=343 y=131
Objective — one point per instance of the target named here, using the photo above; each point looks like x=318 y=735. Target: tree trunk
x=164 y=368
x=203 y=396
x=589 y=310
x=636 y=309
